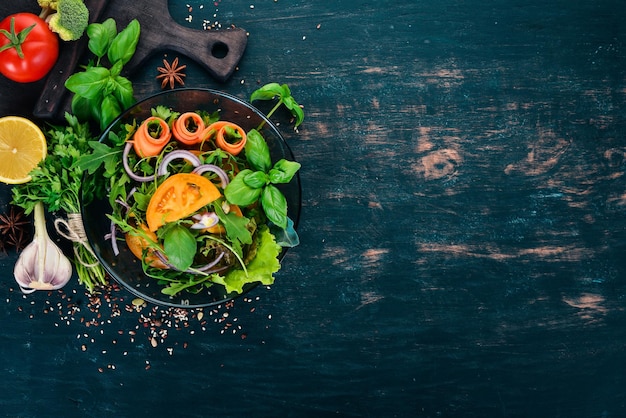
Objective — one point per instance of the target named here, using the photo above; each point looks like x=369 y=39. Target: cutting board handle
x=217 y=51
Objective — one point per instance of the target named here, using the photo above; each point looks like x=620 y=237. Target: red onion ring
x=114 y=247
x=130 y=173
x=175 y=155
x=201 y=169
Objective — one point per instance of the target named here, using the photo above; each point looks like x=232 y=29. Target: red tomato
x=31 y=58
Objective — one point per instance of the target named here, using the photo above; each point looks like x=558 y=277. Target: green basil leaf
x=299 y=114
x=286 y=91
x=257 y=151
x=95 y=107
x=109 y=87
x=100 y=36
x=89 y=83
x=116 y=69
x=110 y=109
x=274 y=205
x=291 y=104
x=124 y=92
x=283 y=171
x=80 y=107
x=286 y=237
x=239 y=193
x=180 y=247
x=256 y=179
x=124 y=44
x=268 y=92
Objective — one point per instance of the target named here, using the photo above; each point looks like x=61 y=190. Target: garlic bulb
x=42 y=265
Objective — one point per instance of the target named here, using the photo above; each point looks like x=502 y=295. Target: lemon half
x=22 y=146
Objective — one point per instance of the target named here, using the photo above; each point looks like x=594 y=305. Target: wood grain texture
x=463 y=221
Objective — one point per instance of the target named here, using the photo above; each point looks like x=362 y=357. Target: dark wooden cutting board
x=217 y=51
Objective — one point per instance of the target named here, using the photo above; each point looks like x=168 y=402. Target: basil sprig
x=101 y=93
x=258 y=182
x=272 y=91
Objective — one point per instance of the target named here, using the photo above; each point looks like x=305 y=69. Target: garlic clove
x=42 y=265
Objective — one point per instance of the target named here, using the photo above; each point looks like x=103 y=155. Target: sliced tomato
x=178 y=197
x=137 y=245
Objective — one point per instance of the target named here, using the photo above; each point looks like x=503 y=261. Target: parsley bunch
x=57 y=182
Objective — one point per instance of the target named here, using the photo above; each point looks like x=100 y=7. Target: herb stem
x=270 y=113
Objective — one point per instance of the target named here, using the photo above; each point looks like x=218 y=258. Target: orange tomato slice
x=138 y=244
x=179 y=196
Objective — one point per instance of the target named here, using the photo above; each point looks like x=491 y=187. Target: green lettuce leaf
x=260 y=269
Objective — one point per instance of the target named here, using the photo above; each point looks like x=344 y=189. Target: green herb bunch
x=101 y=93
x=258 y=183
x=57 y=182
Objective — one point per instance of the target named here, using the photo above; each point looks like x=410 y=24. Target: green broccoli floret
x=70 y=19
x=48 y=4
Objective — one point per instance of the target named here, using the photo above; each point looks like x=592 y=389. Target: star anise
x=13 y=228
x=12 y=221
x=171 y=73
x=18 y=239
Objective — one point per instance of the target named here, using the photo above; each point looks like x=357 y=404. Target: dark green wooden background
x=463 y=228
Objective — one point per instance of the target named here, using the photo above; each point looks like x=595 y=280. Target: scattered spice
x=97 y=319
x=171 y=73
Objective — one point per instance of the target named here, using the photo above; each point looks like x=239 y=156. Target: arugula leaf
x=100 y=154
x=177 y=287
x=236 y=226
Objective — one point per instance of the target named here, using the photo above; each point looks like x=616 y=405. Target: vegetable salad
x=195 y=198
